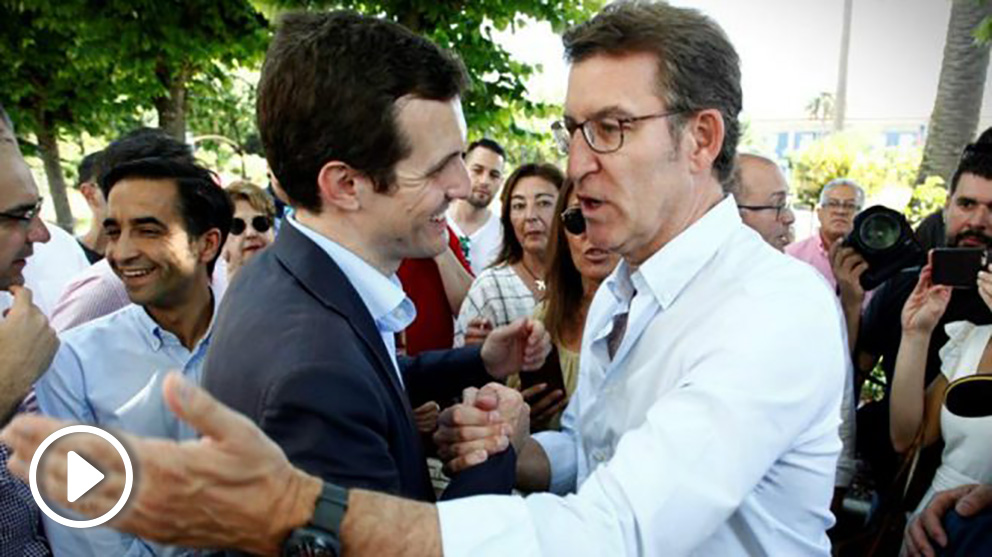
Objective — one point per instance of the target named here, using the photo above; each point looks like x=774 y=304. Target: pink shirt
x=812 y=251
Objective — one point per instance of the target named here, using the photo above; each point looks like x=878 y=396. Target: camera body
x=886 y=241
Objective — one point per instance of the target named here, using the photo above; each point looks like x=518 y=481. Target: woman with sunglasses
x=512 y=285
x=576 y=269
x=251 y=229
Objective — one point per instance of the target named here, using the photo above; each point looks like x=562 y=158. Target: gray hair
x=859 y=193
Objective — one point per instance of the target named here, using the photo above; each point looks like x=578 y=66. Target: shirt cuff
x=487 y=525
x=561 y=452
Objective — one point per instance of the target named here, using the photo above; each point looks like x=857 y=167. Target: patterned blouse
x=497 y=294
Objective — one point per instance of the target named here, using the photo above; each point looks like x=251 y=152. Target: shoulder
x=113 y=325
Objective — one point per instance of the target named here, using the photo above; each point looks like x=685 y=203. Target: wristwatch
x=321 y=537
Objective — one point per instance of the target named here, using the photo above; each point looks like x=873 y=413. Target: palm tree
x=840 y=97
x=959 y=93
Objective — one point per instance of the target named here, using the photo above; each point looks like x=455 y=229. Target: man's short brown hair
x=327 y=92
x=698 y=68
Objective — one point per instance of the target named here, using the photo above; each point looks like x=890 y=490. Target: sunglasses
x=573 y=221
x=261 y=224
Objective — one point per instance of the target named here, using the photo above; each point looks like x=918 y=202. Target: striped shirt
x=497 y=294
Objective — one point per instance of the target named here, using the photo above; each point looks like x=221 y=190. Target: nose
x=460 y=183
x=121 y=248
x=787 y=217
x=980 y=218
x=581 y=158
x=37 y=231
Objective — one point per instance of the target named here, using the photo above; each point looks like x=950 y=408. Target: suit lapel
x=321 y=276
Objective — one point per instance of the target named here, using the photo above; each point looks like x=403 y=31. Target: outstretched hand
x=520 y=346
x=233 y=487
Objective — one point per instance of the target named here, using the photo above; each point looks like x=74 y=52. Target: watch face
x=312 y=543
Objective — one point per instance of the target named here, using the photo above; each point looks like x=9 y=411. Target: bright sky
x=789 y=53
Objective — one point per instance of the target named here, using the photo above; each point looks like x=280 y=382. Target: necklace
x=539 y=284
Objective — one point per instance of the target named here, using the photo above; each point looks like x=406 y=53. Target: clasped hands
x=486 y=422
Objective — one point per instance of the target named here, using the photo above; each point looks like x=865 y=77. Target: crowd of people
x=631 y=356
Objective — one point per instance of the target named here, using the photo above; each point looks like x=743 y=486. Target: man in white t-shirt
x=478 y=228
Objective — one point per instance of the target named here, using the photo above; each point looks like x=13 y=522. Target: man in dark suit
x=362 y=126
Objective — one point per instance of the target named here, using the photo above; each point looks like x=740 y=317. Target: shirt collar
x=383 y=296
x=669 y=270
x=156 y=336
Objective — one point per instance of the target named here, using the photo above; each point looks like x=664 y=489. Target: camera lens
x=880 y=232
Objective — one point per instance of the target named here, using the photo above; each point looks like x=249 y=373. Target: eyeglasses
x=24 y=216
x=573 y=221
x=261 y=224
x=836 y=204
x=604 y=135
x=778 y=208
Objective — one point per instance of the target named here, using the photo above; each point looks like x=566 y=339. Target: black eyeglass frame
x=27 y=215
x=779 y=209
x=239 y=225
x=563 y=132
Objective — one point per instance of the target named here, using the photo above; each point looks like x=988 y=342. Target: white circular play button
x=81 y=476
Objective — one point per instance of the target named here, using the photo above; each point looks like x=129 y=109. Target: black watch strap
x=321 y=537
x=331 y=506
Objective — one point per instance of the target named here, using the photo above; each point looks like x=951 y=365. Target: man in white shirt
x=712 y=366
x=479 y=229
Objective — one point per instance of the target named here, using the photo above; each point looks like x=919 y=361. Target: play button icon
x=81 y=476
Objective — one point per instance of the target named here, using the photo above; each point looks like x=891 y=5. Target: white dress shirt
x=714 y=430
x=390 y=307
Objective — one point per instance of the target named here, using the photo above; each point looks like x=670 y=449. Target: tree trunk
x=840 y=97
x=171 y=107
x=48 y=145
x=959 y=93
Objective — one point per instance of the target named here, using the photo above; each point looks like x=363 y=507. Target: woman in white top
x=917 y=409
x=511 y=286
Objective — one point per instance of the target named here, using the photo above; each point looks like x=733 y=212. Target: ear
x=209 y=245
x=705 y=131
x=341 y=186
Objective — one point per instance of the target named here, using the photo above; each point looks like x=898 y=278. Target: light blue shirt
x=390 y=307
x=713 y=430
x=109 y=373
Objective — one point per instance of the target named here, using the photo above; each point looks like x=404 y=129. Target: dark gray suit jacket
x=295 y=349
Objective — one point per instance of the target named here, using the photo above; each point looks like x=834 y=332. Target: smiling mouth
x=129 y=274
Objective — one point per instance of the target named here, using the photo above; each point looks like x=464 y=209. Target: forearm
x=908 y=389
x=379 y=524
x=533 y=468
x=455 y=278
x=13 y=388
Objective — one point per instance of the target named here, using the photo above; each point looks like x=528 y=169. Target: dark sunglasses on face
x=261 y=224
x=573 y=221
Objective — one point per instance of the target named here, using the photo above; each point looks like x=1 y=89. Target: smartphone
x=549 y=373
x=958 y=267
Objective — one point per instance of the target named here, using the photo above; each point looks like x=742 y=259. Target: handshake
x=486 y=422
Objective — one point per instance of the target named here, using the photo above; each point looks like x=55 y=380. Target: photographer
x=878 y=330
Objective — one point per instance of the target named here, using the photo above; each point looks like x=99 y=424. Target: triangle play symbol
x=81 y=476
